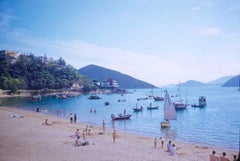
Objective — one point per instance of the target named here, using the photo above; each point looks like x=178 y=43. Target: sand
x=24 y=138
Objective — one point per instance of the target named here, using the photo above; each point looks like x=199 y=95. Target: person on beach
x=114 y=135
x=77 y=142
x=75 y=118
x=162 y=141
x=77 y=133
x=173 y=150
x=103 y=125
x=71 y=118
x=155 y=142
x=223 y=157
x=213 y=156
x=169 y=145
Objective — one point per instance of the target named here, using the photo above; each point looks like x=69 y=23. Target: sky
x=157 y=41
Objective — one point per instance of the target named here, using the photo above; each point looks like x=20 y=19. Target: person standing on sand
x=75 y=118
x=213 y=156
x=155 y=142
x=223 y=157
x=71 y=118
x=114 y=135
x=162 y=141
x=103 y=125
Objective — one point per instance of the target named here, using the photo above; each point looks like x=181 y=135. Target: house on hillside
x=109 y=84
x=8 y=54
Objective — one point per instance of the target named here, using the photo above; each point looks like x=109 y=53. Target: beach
x=24 y=136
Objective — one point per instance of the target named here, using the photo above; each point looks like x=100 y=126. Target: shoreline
x=28 y=132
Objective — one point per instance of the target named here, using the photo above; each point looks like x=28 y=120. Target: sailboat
x=169 y=111
x=180 y=104
x=158 y=98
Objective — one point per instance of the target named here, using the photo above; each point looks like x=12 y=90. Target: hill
x=102 y=74
x=220 y=81
x=193 y=83
x=233 y=82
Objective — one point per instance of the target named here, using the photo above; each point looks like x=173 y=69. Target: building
x=110 y=84
x=8 y=54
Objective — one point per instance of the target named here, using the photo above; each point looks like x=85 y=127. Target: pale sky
x=157 y=41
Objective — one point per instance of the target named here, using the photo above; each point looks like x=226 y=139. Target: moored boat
x=94 y=97
x=158 y=98
x=137 y=109
x=121 y=117
x=202 y=102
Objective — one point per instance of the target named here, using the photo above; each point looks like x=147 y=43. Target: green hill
x=102 y=74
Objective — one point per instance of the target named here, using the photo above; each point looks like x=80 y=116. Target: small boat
x=37 y=97
x=201 y=102
x=94 y=97
x=121 y=117
x=169 y=111
x=158 y=98
x=43 y=110
x=107 y=103
x=138 y=109
x=122 y=100
x=152 y=107
x=144 y=98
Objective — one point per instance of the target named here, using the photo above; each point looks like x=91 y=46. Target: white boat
x=169 y=111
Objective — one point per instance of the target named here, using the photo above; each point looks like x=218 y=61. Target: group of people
x=171 y=148
x=223 y=157
x=73 y=118
x=77 y=137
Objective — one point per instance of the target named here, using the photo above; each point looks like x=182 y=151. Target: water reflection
x=169 y=133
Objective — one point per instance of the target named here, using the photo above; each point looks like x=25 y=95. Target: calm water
x=218 y=124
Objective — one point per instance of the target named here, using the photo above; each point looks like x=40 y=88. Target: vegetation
x=35 y=73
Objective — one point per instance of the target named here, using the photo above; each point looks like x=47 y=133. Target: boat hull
x=124 y=117
x=152 y=108
x=165 y=124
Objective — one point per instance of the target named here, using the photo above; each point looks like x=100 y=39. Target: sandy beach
x=24 y=137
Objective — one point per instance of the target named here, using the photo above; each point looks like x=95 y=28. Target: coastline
x=23 y=137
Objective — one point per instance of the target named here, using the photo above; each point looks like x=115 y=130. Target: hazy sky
x=158 y=41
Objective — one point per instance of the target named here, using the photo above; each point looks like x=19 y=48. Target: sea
x=217 y=124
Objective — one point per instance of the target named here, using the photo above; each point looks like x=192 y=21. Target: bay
x=217 y=124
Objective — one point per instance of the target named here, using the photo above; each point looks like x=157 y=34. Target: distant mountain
x=233 y=82
x=193 y=83
x=102 y=74
x=220 y=81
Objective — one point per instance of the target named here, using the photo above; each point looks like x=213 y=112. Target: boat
x=202 y=102
x=94 y=97
x=122 y=100
x=169 y=111
x=107 y=103
x=42 y=110
x=158 y=98
x=37 y=97
x=152 y=107
x=180 y=105
x=121 y=117
x=138 y=109
x=142 y=98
